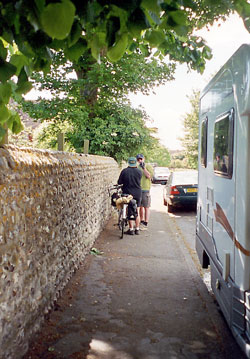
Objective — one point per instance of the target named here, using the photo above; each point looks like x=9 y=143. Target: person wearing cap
x=147 y=173
x=130 y=178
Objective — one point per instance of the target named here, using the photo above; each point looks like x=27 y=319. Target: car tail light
x=174 y=190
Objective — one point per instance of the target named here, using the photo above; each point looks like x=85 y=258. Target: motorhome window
x=223 y=145
x=204 y=142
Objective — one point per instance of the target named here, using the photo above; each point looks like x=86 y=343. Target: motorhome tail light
x=174 y=190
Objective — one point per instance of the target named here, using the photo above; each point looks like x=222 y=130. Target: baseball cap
x=132 y=162
x=140 y=155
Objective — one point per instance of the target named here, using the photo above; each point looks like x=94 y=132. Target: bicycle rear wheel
x=122 y=227
x=121 y=223
x=120 y=219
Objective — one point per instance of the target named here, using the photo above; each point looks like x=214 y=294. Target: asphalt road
x=143 y=298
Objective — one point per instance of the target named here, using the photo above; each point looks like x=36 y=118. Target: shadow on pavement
x=141 y=299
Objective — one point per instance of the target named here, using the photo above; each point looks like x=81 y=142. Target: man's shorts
x=138 y=201
x=146 y=199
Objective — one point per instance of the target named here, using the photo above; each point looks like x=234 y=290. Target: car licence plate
x=192 y=190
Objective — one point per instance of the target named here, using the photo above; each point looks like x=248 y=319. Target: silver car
x=161 y=175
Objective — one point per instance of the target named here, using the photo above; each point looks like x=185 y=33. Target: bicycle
x=120 y=201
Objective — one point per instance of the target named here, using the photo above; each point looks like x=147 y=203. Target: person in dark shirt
x=130 y=178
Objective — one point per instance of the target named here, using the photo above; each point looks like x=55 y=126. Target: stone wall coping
x=12 y=157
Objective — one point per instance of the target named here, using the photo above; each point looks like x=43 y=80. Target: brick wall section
x=53 y=206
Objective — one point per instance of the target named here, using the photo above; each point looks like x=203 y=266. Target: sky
x=170 y=103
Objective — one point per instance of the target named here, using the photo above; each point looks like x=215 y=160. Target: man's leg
x=137 y=222
x=147 y=213
x=142 y=213
x=131 y=224
x=142 y=207
x=131 y=228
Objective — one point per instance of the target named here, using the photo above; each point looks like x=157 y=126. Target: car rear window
x=161 y=170
x=183 y=178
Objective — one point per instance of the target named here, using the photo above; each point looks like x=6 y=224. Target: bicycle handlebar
x=115 y=186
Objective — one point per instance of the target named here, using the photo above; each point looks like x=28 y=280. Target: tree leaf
x=155 y=37
x=95 y=47
x=190 y=4
x=5 y=93
x=179 y=17
x=247 y=23
x=93 y=10
x=145 y=50
x=113 y=26
x=137 y=22
x=7 y=70
x=243 y=9
x=181 y=30
x=75 y=34
x=23 y=85
x=57 y=19
x=8 y=36
x=4 y=114
x=96 y=251
x=18 y=60
x=75 y=51
x=24 y=47
x=14 y=123
x=153 y=19
x=116 y=52
x=3 y=50
x=151 y=5
x=58 y=44
x=207 y=52
x=40 y=5
x=2 y=132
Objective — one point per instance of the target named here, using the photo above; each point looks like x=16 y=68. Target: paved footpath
x=143 y=298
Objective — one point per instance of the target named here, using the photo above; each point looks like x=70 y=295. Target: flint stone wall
x=53 y=206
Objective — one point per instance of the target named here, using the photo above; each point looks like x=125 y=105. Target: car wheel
x=170 y=208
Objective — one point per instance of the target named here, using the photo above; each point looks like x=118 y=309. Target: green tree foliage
x=116 y=130
x=32 y=31
x=178 y=163
x=191 y=129
x=157 y=154
x=178 y=159
x=96 y=107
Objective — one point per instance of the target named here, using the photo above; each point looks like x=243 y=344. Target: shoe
x=131 y=233
x=137 y=232
x=144 y=226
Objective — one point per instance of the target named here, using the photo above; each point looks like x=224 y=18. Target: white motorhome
x=223 y=206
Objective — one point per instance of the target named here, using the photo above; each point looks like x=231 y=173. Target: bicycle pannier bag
x=132 y=210
x=114 y=197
